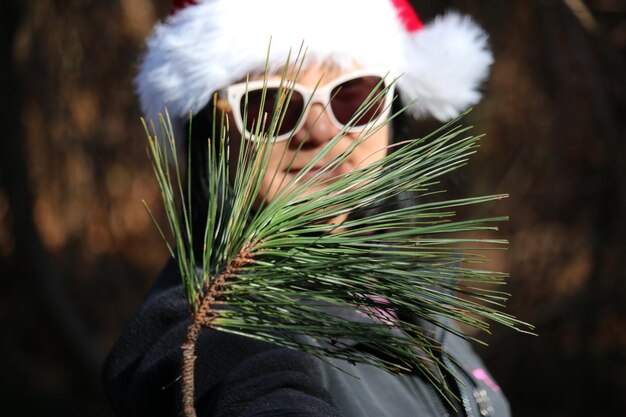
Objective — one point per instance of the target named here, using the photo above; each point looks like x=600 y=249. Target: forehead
x=311 y=74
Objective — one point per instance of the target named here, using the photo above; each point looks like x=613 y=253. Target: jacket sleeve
x=234 y=375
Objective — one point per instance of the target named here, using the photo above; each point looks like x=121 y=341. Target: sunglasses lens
x=291 y=114
x=347 y=97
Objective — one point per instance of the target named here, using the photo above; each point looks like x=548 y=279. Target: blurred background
x=78 y=251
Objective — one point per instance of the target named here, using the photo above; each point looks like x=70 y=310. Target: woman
x=211 y=46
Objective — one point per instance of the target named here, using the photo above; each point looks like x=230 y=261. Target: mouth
x=320 y=170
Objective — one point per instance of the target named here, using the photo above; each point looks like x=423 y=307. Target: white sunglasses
x=344 y=97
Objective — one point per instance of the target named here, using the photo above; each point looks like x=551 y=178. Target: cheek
x=374 y=148
x=274 y=178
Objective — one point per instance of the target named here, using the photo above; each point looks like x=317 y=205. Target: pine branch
x=270 y=270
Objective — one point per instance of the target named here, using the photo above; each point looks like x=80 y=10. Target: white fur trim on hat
x=209 y=45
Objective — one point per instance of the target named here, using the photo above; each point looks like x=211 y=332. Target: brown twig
x=204 y=317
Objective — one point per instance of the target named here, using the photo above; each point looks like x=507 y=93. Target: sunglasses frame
x=235 y=93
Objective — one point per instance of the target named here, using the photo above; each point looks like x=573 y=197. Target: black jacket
x=238 y=376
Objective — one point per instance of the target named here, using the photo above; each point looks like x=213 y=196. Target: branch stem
x=203 y=317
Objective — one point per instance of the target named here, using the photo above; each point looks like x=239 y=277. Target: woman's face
x=289 y=157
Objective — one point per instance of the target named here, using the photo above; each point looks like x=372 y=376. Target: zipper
x=480 y=395
x=462 y=388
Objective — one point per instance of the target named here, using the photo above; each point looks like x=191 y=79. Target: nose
x=317 y=129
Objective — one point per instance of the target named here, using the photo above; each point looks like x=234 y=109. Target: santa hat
x=205 y=45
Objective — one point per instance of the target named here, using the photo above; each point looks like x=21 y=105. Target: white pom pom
x=445 y=64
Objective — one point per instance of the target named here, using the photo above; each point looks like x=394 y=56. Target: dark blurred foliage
x=78 y=252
